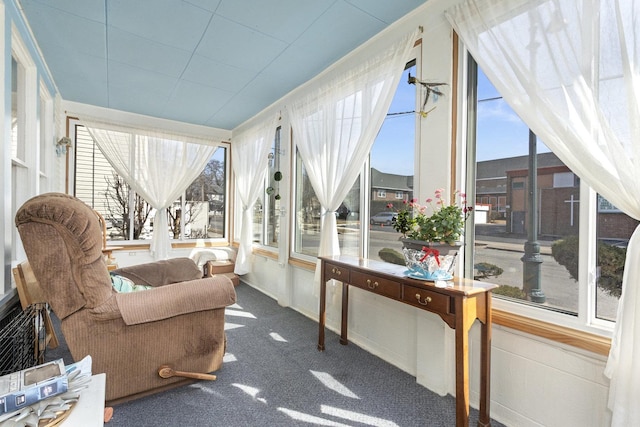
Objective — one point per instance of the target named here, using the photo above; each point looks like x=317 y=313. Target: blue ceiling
x=207 y=62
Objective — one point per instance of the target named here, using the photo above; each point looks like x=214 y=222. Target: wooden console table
x=459 y=304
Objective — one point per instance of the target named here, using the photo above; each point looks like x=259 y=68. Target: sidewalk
x=508 y=244
x=493 y=236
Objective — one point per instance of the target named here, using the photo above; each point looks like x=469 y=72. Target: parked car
x=385 y=218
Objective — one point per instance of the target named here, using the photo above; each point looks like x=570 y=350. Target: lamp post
x=531 y=259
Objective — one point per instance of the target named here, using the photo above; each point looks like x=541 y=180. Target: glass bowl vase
x=428 y=265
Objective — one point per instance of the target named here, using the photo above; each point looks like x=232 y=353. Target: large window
x=391 y=171
x=200 y=213
x=389 y=177
x=548 y=240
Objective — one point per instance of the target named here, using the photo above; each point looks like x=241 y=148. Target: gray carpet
x=273 y=375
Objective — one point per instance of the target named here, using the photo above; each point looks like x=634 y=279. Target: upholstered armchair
x=178 y=322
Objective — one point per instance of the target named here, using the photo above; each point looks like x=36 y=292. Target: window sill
x=573 y=337
x=265 y=253
x=300 y=263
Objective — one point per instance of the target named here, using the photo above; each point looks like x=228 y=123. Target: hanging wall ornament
x=277 y=177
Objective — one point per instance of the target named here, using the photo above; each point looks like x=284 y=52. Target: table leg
x=322 y=314
x=462 y=365
x=484 y=419
x=345 y=314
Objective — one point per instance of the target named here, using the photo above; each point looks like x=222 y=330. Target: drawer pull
x=372 y=285
x=426 y=301
x=336 y=271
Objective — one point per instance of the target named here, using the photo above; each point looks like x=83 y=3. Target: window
x=308 y=215
x=266 y=215
x=557 y=217
x=199 y=214
x=388 y=176
x=19 y=166
x=307 y=211
x=27 y=158
x=45 y=137
x=204 y=203
x=392 y=166
x=272 y=220
x=564 y=179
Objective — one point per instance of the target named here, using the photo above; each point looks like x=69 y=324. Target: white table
x=89 y=411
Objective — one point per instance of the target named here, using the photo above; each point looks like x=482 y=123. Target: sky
x=500 y=133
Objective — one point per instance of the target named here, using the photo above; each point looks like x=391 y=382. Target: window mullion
x=587 y=255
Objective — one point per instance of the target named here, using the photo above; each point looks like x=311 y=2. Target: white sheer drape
x=336 y=124
x=161 y=168
x=250 y=151
x=570 y=69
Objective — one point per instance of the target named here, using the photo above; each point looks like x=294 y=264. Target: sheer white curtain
x=336 y=123
x=159 y=167
x=570 y=69
x=250 y=151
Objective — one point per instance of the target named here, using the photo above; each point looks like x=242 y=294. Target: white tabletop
x=89 y=411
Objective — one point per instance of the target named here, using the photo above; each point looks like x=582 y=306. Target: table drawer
x=332 y=271
x=426 y=299
x=378 y=285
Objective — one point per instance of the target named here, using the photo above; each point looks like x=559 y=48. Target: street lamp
x=531 y=259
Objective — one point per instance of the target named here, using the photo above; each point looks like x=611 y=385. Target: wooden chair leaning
x=29 y=292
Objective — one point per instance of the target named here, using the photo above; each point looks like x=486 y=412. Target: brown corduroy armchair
x=129 y=336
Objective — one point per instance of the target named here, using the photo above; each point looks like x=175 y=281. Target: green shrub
x=391 y=255
x=610 y=261
x=485 y=269
x=510 y=292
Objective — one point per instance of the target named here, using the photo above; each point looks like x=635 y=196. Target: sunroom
x=307 y=125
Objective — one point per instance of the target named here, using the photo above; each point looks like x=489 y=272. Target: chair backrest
x=29 y=289
x=30 y=292
x=62 y=238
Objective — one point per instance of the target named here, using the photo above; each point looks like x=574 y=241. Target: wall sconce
x=63 y=145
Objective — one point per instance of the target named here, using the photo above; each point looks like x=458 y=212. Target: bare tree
x=118 y=210
x=208 y=184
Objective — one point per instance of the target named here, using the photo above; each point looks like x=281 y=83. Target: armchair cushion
x=123 y=285
x=160 y=273
x=175 y=299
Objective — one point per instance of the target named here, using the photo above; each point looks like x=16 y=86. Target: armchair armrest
x=176 y=299
x=160 y=273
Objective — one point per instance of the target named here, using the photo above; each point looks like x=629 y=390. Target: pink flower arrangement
x=445 y=224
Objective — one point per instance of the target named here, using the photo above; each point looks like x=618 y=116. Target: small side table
x=89 y=411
